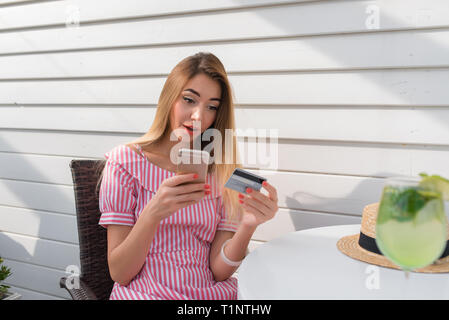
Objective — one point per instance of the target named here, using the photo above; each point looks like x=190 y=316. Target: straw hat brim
x=349 y=245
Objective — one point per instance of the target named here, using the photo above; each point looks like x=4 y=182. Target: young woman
x=172 y=241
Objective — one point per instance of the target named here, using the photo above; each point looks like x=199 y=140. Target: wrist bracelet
x=226 y=260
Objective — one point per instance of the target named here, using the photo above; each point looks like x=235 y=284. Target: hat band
x=368 y=243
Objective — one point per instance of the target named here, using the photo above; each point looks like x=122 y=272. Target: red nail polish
x=195 y=176
x=207 y=186
x=241 y=196
x=249 y=190
x=264 y=183
x=240 y=201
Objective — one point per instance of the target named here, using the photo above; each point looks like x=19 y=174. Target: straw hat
x=363 y=246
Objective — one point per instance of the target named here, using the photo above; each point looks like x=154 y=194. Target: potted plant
x=5 y=272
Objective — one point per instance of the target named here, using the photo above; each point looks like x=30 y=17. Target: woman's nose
x=197 y=114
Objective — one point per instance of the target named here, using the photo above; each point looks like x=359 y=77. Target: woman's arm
x=235 y=250
x=128 y=248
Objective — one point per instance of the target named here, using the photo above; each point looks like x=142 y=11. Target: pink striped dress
x=177 y=264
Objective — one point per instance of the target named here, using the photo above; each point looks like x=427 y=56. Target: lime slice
x=435 y=183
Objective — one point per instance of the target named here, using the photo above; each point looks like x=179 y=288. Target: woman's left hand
x=259 y=208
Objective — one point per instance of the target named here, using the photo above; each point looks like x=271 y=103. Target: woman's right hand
x=171 y=197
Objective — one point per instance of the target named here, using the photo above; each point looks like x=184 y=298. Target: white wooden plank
x=392 y=87
x=342 y=158
x=26 y=249
x=33 y=295
x=18 y=2
x=38 y=196
x=378 y=160
x=84 y=11
x=338 y=194
x=286 y=221
x=351 y=158
x=37 y=278
x=324 y=192
x=129 y=119
x=67 y=144
x=362 y=124
x=306 y=156
x=36 y=168
x=376 y=50
x=351 y=88
x=424 y=125
x=296 y=20
x=40 y=224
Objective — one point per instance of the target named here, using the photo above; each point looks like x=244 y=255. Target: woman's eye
x=188 y=100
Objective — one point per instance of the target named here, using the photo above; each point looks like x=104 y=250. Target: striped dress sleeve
x=117 y=196
x=225 y=222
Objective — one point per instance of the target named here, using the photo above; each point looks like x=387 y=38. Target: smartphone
x=193 y=161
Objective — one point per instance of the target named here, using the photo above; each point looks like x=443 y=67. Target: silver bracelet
x=226 y=260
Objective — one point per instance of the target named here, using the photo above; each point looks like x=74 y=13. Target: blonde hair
x=208 y=64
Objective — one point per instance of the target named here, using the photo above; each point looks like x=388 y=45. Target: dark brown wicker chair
x=95 y=281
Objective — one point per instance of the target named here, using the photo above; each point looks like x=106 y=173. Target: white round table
x=307 y=265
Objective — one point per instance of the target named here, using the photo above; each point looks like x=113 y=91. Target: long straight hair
x=208 y=64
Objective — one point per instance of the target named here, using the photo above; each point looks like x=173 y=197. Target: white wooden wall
x=353 y=104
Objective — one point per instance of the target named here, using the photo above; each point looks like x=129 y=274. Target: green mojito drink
x=411 y=224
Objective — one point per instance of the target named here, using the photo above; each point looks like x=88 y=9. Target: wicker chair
x=95 y=281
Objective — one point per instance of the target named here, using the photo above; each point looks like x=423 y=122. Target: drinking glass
x=411 y=224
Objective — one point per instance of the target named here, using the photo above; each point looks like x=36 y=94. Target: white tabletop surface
x=307 y=265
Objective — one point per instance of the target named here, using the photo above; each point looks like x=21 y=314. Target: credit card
x=241 y=179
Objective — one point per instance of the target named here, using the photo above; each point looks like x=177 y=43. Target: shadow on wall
x=38 y=237
x=350 y=205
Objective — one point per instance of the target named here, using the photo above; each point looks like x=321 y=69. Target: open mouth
x=190 y=129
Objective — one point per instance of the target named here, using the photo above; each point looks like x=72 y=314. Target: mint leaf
x=410 y=201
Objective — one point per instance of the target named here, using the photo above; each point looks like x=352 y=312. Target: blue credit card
x=241 y=179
